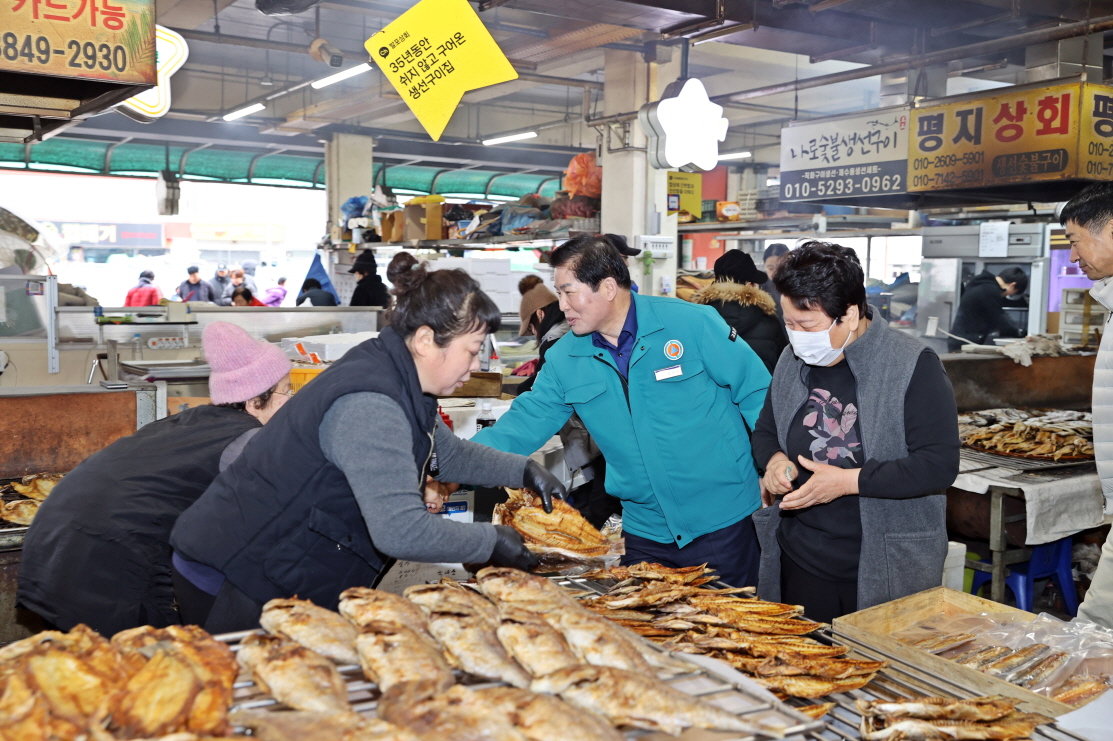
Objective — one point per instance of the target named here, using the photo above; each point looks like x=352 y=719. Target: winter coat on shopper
x=980 y=312
x=275 y=296
x=143 y=294
x=283 y=519
x=903 y=540
x=218 y=283
x=316 y=297
x=371 y=291
x=199 y=291
x=98 y=551
x=752 y=313
x=691 y=386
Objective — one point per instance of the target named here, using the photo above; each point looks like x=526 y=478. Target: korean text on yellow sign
x=1016 y=137
x=88 y=39
x=1095 y=136
x=434 y=53
x=686 y=193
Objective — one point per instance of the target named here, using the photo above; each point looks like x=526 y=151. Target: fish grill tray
x=1016 y=463
x=899 y=680
x=702 y=683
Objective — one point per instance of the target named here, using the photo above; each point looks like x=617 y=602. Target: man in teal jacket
x=666 y=388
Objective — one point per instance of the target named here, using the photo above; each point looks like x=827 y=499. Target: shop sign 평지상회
x=434 y=53
x=87 y=39
x=845 y=157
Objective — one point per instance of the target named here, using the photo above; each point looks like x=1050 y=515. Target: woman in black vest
x=98 y=551
x=331 y=493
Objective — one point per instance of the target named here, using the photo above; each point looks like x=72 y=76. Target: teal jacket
x=677 y=450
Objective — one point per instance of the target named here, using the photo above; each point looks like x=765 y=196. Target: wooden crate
x=875 y=626
x=481 y=384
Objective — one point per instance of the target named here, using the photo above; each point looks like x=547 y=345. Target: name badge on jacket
x=671 y=372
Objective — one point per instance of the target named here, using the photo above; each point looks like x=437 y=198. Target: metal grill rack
x=1017 y=463
x=899 y=680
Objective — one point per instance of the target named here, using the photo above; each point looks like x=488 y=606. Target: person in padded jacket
x=320 y=502
x=98 y=551
x=737 y=297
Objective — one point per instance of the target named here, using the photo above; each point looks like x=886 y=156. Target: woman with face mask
x=329 y=494
x=858 y=437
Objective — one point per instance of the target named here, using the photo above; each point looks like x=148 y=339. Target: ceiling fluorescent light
x=734 y=155
x=509 y=138
x=245 y=111
x=359 y=69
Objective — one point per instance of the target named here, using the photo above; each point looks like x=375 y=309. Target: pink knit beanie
x=242 y=368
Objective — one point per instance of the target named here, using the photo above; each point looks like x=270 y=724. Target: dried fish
x=1015 y=726
x=985 y=656
x=19 y=511
x=533 y=642
x=1081 y=689
x=507 y=586
x=316 y=628
x=1040 y=670
x=806 y=686
x=392 y=654
x=451 y=715
x=564 y=528
x=940 y=643
x=295 y=676
x=638 y=700
x=302 y=725
x=37 y=485
x=596 y=640
x=1006 y=665
x=446 y=598
x=544 y=717
x=361 y=605
x=929 y=708
x=816 y=711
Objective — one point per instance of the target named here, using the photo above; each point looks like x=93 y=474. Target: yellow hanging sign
x=434 y=53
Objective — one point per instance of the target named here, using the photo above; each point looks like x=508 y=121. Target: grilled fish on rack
x=537 y=646
x=808 y=686
x=19 y=511
x=294 y=675
x=693 y=575
x=316 y=628
x=507 y=586
x=638 y=700
x=302 y=725
x=1015 y=726
x=362 y=605
x=544 y=717
x=775 y=666
x=37 y=485
x=929 y=708
x=452 y=597
x=596 y=640
x=451 y=715
x=391 y=654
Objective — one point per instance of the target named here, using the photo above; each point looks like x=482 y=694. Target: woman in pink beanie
x=98 y=551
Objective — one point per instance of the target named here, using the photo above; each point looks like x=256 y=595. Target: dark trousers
x=227 y=611
x=732 y=551
x=823 y=599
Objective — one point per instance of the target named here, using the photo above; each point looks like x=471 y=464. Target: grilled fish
x=638 y=700
x=777 y=666
x=537 y=646
x=929 y=708
x=294 y=675
x=985 y=656
x=596 y=640
x=303 y=725
x=1081 y=689
x=811 y=687
x=19 y=511
x=1015 y=726
x=544 y=717
x=37 y=486
x=362 y=605
x=474 y=647
x=391 y=654
x=507 y=586
x=452 y=715
x=815 y=712
x=452 y=598
x=1041 y=670
x=564 y=528
x=938 y=643
x=1006 y=665
x=316 y=628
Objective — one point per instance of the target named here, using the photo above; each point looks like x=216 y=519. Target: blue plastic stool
x=1051 y=560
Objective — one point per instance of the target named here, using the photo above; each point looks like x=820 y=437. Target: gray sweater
x=381 y=471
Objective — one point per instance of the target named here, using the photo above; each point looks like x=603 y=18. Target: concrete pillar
x=635 y=195
x=348 y=171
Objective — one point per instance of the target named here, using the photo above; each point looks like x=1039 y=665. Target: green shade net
x=515 y=185
x=71 y=152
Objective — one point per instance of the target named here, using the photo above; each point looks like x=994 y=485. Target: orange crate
x=301 y=375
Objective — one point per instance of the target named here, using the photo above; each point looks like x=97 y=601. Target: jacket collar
x=744 y=294
x=648 y=323
x=404 y=363
x=1102 y=292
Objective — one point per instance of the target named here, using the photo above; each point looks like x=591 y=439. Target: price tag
x=434 y=53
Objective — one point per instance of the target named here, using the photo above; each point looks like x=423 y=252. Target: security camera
x=323 y=51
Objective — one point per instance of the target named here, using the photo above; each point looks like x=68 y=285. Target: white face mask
x=814 y=348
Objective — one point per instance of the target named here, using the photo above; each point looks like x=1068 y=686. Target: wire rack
x=1016 y=463
x=898 y=680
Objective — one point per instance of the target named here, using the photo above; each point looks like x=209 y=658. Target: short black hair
x=310 y=284
x=777 y=249
x=592 y=260
x=825 y=276
x=449 y=302
x=1091 y=209
x=1015 y=275
x=148 y=274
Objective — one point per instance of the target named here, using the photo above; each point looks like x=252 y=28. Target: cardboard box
x=874 y=626
x=728 y=211
x=391 y=226
x=481 y=384
x=423 y=222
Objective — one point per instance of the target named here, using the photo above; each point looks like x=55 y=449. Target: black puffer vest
x=282 y=519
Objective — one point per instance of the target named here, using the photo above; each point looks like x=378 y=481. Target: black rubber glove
x=544 y=483
x=511 y=551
